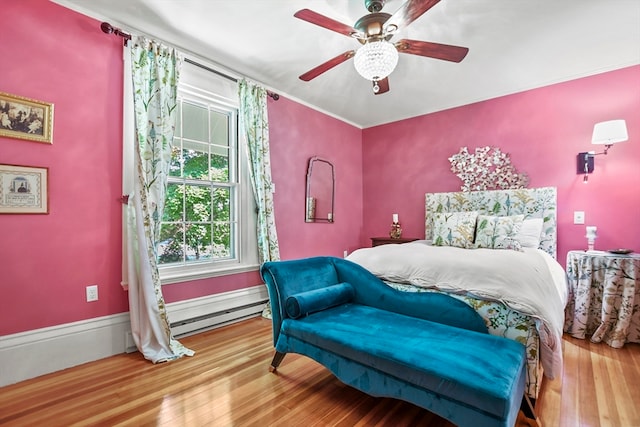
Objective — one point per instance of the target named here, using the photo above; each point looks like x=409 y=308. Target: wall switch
x=92 y=293
x=578 y=217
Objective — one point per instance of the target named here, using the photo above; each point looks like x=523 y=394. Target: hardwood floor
x=227 y=383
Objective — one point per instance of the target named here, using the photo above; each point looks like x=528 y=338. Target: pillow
x=304 y=303
x=498 y=232
x=454 y=229
x=529 y=234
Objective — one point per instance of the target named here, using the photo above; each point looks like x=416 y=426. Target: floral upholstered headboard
x=531 y=202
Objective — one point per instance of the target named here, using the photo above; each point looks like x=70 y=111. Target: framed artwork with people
x=25 y=118
x=24 y=189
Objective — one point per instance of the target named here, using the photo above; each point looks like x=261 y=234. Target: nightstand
x=604 y=297
x=377 y=241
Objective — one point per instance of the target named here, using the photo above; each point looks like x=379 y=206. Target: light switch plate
x=578 y=217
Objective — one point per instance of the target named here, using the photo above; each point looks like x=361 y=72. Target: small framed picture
x=23 y=190
x=25 y=118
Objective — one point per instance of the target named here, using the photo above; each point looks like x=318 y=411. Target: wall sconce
x=604 y=133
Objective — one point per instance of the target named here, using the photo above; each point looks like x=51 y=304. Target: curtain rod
x=110 y=29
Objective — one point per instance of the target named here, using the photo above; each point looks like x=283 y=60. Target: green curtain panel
x=155 y=70
x=254 y=126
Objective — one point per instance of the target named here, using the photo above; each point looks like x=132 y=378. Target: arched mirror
x=320 y=189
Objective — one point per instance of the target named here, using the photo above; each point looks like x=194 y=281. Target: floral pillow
x=498 y=232
x=454 y=229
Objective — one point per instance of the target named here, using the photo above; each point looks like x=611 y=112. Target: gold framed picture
x=24 y=190
x=25 y=118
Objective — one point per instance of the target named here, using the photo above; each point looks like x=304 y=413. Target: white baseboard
x=41 y=351
x=33 y=353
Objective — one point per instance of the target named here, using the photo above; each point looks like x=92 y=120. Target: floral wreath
x=487 y=169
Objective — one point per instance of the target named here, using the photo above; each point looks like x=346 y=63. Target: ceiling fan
x=377 y=57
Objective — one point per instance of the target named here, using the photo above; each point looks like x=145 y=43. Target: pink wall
x=298 y=133
x=542 y=130
x=46 y=261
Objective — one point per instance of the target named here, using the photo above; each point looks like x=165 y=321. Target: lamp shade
x=376 y=60
x=609 y=132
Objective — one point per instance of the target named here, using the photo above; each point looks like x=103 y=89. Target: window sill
x=181 y=274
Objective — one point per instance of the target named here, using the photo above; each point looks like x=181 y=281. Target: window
x=208 y=226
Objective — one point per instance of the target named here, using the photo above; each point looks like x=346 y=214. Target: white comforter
x=530 y=282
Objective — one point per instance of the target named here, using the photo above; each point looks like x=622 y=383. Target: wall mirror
x=320 y=189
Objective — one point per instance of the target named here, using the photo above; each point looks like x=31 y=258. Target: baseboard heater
x=216 y=319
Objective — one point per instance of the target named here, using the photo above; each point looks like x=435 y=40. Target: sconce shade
x=610 y=132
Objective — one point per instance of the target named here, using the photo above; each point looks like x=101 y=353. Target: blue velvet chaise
x=425 y=348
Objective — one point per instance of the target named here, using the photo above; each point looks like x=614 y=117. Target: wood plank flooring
x=227 y=383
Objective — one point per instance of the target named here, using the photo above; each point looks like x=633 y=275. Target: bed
x=495 y=250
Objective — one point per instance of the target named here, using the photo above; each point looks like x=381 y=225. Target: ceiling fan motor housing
x=371 y=26
x=374 y=5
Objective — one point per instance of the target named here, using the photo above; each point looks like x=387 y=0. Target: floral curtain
x=254 y=126
x=154 y=70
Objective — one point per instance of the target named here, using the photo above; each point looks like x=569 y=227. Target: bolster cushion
x=304 y=303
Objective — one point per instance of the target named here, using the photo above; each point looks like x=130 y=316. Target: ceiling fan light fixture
x=375 y=60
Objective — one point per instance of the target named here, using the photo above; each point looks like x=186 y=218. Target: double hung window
x=208 y=225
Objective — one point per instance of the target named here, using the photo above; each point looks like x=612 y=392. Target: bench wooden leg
x=528 y=410
x=277 y=359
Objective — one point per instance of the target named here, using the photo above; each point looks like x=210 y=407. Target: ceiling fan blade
x=326 y=66
x=383 y=85
x=432 y=50
x=408 y=12
x=324 y=22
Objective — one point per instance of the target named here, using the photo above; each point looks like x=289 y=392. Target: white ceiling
x=514 y=45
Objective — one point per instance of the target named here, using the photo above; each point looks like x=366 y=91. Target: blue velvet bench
x=425 y=348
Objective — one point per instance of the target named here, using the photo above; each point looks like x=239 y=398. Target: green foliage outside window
x=197 y=221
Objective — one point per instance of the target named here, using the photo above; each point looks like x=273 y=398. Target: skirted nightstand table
x=377 y=241
x=604 y=297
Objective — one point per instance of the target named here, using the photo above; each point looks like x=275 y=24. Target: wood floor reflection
x=227 y=383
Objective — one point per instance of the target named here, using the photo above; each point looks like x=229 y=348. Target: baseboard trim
x=42 y=351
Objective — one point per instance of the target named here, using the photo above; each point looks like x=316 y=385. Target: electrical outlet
x=92 y=293
x=578 y=217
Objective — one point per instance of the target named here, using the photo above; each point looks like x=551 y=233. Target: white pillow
x=529 y=233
